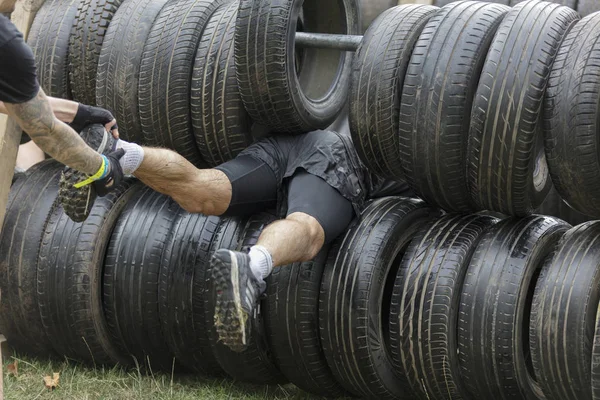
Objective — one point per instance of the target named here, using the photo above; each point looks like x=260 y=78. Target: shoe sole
x=230 y=318
x=78 y=203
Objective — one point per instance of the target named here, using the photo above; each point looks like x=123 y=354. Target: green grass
x=79 y=382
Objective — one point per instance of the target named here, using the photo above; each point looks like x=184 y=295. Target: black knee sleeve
x=311 y=195
x=253 y=185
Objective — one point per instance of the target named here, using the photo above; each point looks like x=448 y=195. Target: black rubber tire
x=507 y=166
x=118 y=76
x=596 y=361
x=563 y=317
x=292 y=324
x=221 y=123
x=495 y=307
x=555 y=206
x=425 y=305
x=356 y=294
x=31 y=200
x=255 y=364
x=49 y=40
x=166 y=75
x=69 y=280
x=371 y=9
x=182 y=290
x=131 y=279
x=439 y=88
x=266 y=66
x=587 y=7
x=378 y=74
x=89 y=28
x=572 y=113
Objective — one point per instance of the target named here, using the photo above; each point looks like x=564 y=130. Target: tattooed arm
x=54 y=137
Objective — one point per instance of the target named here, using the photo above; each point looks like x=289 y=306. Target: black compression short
x=255 y=189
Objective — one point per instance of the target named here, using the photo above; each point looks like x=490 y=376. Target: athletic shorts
x=256 y=187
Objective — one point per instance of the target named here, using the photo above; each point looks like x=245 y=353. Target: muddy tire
x=494 y=318
x=425 y=305
x=69 y=280
x=256 y=363
x=182 y=290
x=31 y=200
x=563 y=318
x=49 y=40
x=131 y=277
x=437 y=96
x=292 y=321
x=506 y=125
x=222 y=126
x=166 y=75
x=378 y=73
x=89 y=29
x=117 y=82
x=356 y=293
x=572 y=111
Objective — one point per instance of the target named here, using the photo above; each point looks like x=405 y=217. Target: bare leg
x=205 y=191
x=297 y=238
x=29 y=155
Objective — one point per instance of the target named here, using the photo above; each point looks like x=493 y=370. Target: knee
x=207 y=192
x=312 y=229
x=199 y=206
x=194 y=207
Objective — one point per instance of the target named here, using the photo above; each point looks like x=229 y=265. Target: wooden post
x=10 y=133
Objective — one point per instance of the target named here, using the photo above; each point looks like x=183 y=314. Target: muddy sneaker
x=237 y=294
x=78 y=203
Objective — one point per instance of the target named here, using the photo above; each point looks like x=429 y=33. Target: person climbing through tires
x=315 y=181
x=51 y=123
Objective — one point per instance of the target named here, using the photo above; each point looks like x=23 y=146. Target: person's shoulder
x=8 y=30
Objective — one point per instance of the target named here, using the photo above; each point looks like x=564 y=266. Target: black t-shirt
x=18 y=76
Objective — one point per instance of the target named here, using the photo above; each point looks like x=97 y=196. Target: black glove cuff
x=87 y=115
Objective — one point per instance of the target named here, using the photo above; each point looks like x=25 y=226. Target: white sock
x=134 y=154
x=261 y=262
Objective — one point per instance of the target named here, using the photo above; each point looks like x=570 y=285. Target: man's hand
x=87 y=115
x=114 y=175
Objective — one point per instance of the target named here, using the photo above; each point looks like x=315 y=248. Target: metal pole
x=328 y=41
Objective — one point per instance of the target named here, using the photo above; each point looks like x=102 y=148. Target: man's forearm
x=36 y=117
x=64 y=110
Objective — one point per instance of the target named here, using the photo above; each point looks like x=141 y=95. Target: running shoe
x=237 y=295
x=78 y=203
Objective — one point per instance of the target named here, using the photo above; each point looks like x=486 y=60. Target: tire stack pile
x=482 y=109
x=409 y=303
x=174 y=76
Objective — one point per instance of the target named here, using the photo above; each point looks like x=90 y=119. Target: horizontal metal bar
x=328 y=41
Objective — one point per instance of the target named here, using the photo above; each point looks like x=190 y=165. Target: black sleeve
x=18 y=76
